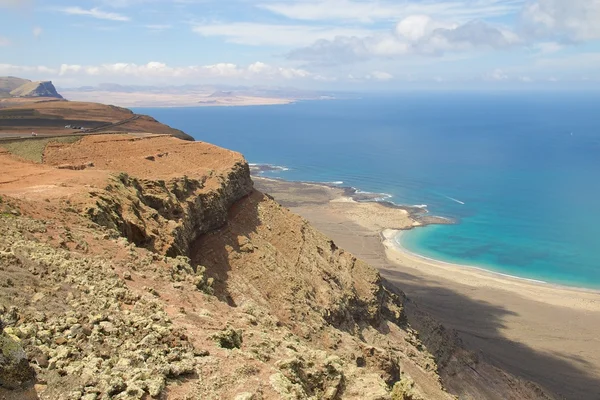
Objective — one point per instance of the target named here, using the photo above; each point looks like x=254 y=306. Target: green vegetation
x=33 y=149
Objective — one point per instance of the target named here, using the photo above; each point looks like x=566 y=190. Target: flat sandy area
x=544 y=333
x=141 y=99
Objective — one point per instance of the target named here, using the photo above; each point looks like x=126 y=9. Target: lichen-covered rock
x=100 y=335
x=314 y=378
x=228 y=338
x=245 y=396
x=405 y=390
x=15 y=371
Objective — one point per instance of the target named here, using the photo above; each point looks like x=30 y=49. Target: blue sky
x=348 y=44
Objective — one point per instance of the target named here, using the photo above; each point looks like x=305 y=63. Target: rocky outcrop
x=167 y=216
x=36 y=89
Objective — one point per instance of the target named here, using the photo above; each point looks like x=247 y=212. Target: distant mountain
x=211 y=91
x=36 y=89
x=10 y=83
x=222 y=93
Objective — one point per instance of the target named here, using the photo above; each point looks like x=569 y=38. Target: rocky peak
x=36 y=89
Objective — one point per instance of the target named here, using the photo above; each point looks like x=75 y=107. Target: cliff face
x=166 y=216
x=36 y=89
x=152 y=267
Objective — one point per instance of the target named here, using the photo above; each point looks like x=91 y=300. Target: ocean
x=519 y=172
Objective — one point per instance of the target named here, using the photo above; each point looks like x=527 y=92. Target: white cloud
x=574 y=62
x=254 y=34
x=567 y=67
x=544 y=48
x=378 y=76
x=66 y=69
x=381 y=76
x=152 y=70
x=130 y=3
x=4 y=41
x=496 y=75
x=95 y=13
x=9 y=69
x=370 y=11
x=418 y=34
x=124 y=3
x=158 y=27
x=572 y=20
x=416 y=27
x=37 y=32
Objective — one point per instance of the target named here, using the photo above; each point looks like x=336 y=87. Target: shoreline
x=419 y=214
x=398 y=254
x=543 y=332
x=393 y=245
x=393 y=242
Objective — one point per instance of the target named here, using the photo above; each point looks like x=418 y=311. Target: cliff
x=136 y=267
x=36 y=89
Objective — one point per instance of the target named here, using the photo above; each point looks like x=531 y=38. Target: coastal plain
x=541 y=332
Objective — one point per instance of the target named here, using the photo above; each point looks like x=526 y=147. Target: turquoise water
x=519 y=172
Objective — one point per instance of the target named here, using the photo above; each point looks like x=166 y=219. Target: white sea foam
x=268 y=167
x=420 y=206
x=380 y=195
x=337 y=183
x=455 y=200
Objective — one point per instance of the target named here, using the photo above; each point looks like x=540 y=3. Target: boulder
x=15 y=371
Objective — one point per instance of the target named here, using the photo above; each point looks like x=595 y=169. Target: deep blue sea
x=520 y=172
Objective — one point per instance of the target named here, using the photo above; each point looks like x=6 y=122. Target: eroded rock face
x=167 y=216
x=160 y=200
x=36 y=89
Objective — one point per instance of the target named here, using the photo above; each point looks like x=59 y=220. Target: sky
x=341 y=44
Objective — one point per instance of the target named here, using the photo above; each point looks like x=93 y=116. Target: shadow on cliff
x=215 y=249
x=479 y=324
x=480 y=327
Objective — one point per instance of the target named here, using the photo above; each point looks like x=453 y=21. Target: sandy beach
x=544 y=333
